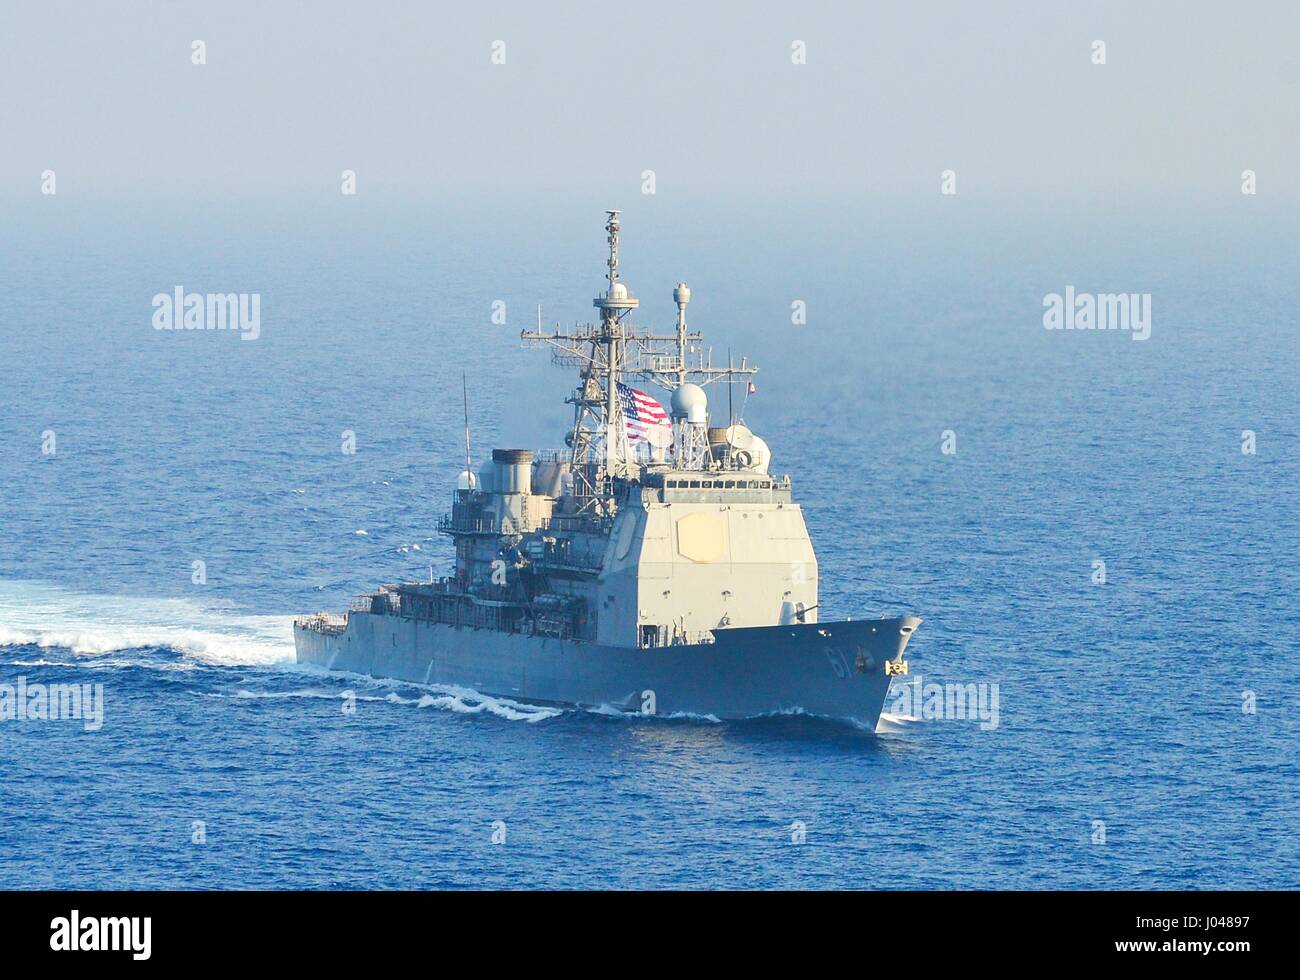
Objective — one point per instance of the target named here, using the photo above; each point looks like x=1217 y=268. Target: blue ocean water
x=1147 y=733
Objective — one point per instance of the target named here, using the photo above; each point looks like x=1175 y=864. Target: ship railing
x=652 y=361
x=660 y=637
x=552 y=564
x=552 y=455
x=382 y=601
x=486 y=525
x=584 y=522
x=695 y=637
x=460 y=610
x=559 y=627
x=323 y=622
x=468 y=525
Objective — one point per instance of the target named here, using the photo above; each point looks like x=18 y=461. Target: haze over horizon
x=709 y=98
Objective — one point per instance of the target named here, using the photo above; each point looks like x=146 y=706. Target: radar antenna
x=613 y=351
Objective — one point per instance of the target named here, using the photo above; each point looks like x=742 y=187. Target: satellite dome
x=616 y=297
x=690 y=403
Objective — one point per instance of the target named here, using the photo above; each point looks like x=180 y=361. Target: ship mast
x=614 y=351
x=681 y=296
x=614 y=305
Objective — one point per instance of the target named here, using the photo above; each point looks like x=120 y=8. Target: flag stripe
x=641 y=412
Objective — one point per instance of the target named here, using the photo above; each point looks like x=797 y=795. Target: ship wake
x=92 y=628
x=454 y=699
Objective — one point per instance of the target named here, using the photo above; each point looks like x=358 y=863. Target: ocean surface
x=1147 y=727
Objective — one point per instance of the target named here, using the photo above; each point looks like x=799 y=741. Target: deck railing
x=323 y=622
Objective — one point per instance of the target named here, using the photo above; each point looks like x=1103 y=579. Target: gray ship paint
x=655 y=565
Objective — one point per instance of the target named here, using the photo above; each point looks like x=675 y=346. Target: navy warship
x=654 y=565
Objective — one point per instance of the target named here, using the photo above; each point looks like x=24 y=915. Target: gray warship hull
x=837 y=669
x=655 y=565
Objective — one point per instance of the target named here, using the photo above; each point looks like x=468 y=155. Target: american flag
x=646 y=418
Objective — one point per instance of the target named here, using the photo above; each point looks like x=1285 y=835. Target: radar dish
x=738 y=436
x=659 y=437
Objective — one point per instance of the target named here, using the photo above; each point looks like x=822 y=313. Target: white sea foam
x=467 y=702
x=456 y=699
x=894 y=723
x=709 y=719
x=447 y=697
x=91 y=625
x=613 y=711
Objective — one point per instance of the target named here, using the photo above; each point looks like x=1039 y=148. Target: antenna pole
x=681 y=296
x=464 y=387
x=745 y=400
x=731 y=413
x=611 y=327
x=614 y=305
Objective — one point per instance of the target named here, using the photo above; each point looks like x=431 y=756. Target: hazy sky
x=591 y=95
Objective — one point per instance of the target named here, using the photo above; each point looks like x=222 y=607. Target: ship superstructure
x=654 y=561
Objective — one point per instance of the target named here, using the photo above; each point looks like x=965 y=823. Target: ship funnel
x=512 y=470
x=549 y=478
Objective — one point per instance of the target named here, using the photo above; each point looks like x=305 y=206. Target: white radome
x=690 y=403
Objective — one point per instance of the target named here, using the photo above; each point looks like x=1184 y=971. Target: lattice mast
x=615 y=351
x=617 y=303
